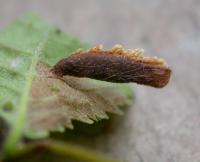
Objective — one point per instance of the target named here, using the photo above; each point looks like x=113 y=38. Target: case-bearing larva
x=115 y=65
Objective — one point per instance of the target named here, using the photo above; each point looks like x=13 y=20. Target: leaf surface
x=30 y=101
x=56 y=102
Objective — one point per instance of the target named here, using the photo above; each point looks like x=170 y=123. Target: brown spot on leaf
x=55 y=101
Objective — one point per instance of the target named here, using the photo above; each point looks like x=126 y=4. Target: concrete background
x=163 y=125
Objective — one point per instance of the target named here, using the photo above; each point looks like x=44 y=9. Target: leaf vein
x=20 y=117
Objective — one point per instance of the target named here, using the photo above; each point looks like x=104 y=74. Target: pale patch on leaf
x=55 y=102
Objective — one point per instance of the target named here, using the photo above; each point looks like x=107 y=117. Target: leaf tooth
x=83 y=118
x=114 y=109
x=68 y=125
x=100 y=115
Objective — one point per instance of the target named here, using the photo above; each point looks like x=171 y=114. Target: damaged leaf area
x=31 y=102
x=56 y=102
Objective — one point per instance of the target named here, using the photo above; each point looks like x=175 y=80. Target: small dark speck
x=58 y=31
x=8 y=106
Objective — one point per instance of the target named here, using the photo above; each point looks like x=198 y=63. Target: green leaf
x=23 y=45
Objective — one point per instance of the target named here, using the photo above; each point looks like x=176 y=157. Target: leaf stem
x=65 y=150
x=17 y=126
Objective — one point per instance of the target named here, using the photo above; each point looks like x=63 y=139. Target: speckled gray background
x=163 y=125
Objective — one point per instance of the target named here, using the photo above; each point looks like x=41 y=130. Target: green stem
x=65 y=150
x=17 y=126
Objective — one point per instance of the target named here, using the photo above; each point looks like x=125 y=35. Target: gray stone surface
x=164 y=124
